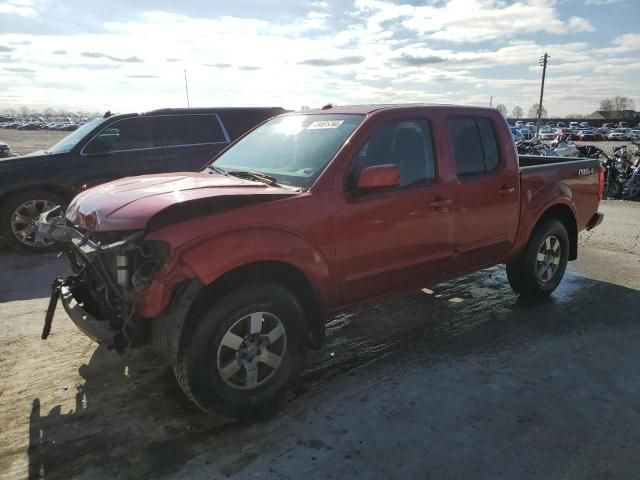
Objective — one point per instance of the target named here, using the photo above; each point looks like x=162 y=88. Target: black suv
x=111 y=147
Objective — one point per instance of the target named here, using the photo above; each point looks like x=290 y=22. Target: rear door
x=394 y=238
x=191 y=140
x=122 y=148
x=487 y=191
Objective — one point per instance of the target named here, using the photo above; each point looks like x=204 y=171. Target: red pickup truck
x=231 y=272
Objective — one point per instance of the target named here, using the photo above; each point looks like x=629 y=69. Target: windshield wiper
x=259 y=176
x=218 y=170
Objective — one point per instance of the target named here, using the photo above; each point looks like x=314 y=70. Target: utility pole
x=491 y=102
x=543 y=63
x=186 y=87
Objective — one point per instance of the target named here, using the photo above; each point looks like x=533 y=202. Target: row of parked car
x=575 y=131
x=40 y=124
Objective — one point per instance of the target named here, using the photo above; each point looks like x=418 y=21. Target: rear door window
x=127 y=134
x=475 y=149
x=193 y=129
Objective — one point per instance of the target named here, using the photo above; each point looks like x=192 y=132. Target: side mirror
x=379 y=176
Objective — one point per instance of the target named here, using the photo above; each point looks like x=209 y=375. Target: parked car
x=108 y=148
x=546 y=134
x=623 y=125
x=5 y=150
x=519 y=124
x=586 y=135
x=619 y=134
x=609 y=125
x=561 y=125
x=232 y=271
x=584 y=126
x=528 y=133
x=516 y=134
x=567 y=133
x=31 y=126
x=635 y=134
x=573 y=125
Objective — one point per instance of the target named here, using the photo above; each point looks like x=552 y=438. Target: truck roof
x=370 y=108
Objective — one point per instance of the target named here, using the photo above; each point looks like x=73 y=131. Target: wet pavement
x=464 y=380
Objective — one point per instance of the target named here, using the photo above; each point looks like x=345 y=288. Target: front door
x=124 y=148
x=394 y=238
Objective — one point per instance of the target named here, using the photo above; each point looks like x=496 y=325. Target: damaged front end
x=110 y=272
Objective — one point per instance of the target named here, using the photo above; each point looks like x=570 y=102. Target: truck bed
x=571 y=178
x=538 y=160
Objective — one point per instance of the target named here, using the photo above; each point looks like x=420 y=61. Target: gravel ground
x=466 y=382
x=27 y=141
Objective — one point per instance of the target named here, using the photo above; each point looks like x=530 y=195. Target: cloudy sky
x=129 y=55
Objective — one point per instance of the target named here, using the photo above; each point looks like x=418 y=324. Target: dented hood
x=129 y=203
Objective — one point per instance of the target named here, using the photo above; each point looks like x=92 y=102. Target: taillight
x=601 y=183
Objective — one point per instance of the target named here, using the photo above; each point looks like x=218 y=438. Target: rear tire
x=221 y=374
x=16 y=216
x=540 y=268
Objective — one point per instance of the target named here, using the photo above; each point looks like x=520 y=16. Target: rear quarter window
x=192 y=130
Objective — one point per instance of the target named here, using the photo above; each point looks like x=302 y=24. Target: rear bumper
x=595 y=220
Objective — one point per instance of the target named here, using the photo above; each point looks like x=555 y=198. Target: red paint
x=354 y=247
x=379 y=176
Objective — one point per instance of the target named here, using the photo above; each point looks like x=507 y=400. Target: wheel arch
x=56 y=189
x=565 y=215
x=282 y=273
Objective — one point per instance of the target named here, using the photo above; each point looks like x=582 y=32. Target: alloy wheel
x=23 y=220
x=252 y=350
x=548 y=258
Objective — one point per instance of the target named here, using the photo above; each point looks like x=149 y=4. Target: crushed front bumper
x=97 y=330
x=87 y=258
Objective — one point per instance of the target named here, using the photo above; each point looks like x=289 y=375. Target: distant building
x=615 y=114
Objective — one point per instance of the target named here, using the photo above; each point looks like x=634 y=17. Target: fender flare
x=243 y=246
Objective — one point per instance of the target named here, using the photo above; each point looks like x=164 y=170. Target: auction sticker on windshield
x=325 y=124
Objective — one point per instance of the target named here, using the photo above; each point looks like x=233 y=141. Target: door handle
x=440 y=204
x=506 y=189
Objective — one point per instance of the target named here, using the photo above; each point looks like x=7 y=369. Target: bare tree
x=606 y=105
x=502 y=108
x=623 y=103
x=533 y=111
x=517 y=112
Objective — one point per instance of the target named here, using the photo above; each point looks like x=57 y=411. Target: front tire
x=17 y=219
x=540 y=268
x=239 y=354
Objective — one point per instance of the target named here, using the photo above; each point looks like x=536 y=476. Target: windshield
x=67 y=143
x=293 y=149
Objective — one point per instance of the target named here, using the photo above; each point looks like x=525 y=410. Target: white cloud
x=601 y=2
x=22 y=8
x=378 y=56
x=474 y=20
